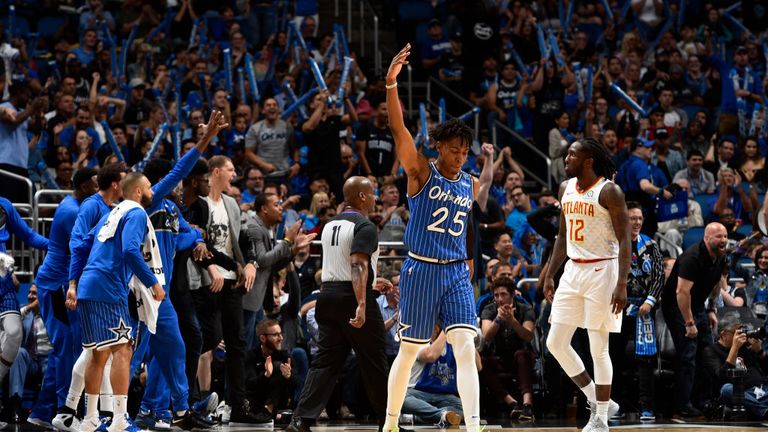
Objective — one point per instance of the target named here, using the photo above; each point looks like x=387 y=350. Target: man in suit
x=219 y=302
x=269 y=255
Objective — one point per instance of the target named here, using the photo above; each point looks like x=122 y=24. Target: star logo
x=122 y=331
x=400 y=329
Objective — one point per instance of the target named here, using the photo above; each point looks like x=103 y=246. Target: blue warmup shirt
x=111 y=263
x=55 y=269
x=173 y=234
x=11 y=222
x=91 y=212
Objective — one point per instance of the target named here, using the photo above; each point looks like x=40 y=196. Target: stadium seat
x=20 y=26
x=705 y=201
x=745 y=229
x=47 y=26
x=692 y=236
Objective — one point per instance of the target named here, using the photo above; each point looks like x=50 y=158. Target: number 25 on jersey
x=575 y=226
x=440 y=215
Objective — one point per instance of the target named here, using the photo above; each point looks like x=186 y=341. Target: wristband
x=498 y=321
x=390 y=86
x=289 y=241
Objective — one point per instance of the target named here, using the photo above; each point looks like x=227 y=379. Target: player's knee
x=462 y=340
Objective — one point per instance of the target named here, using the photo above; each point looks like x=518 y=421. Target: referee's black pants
x=336 y=305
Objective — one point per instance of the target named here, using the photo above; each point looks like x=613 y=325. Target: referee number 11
x=575 y=226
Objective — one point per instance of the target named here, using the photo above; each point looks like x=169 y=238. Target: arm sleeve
x=134 y=230
x=16 y=225
x=83 y=224
x=81 y=250
x=366 y=239
x=177 y=174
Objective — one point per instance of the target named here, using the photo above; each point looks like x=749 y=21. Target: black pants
x=336 y=304
x=221 y=317
x=626 y=365
x=184 y=304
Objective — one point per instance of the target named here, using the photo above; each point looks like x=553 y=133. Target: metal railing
x=447 y=91
x=30 y=186
x=365 y=9
x=520 y=139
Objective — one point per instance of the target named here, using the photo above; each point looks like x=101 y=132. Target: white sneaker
x=613 y=408
x=89 y=424
x=595 y=425
x=66 y=422
x=161 y=424
x=120 y=424
x=40 y=423
x=223 y=412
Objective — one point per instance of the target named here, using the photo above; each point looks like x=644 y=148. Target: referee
x=347 y=313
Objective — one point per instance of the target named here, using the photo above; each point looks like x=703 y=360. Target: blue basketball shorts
x=429 y=292
x=104 y=324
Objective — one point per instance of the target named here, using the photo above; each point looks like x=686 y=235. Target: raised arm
x=415 y=165
x=16 y=225
x=486 y=176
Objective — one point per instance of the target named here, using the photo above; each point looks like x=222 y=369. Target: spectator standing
x=724 y=157
x=701 y=181
x=434 y=47
x=16 y=118
x=376 y=146
x=268 y=145
x=695 y=278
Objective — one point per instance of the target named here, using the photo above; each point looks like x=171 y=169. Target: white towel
x=146 y=304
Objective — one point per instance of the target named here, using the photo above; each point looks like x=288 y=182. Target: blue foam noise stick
x=736 y=22
x=732 y=7
x=11 y=20
x=288 y=90
x=107 y=35
x=299 y=103
x=608 y=11
x=251 y=78
x=177 y=95
x=228 y=70
x=241 y=84
x=542 y=42
x=588 y=95
x=680 y=15
x=469 y=114
x=111 y=141
x=344 y=78
x=628 y=100
x=176 y=139
x=568 y=16
x=318 y=75
x=339 y=29
x=297 y=35
x=560 y=11
x=153 y=147
x=556 y=49
x=423 y=121
x=518 y=61
x=193 y=33
x=441 y=111
x=148 y=67
x=114 y=62
x=123 y=59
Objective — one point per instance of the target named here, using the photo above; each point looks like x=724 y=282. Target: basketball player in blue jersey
x=594 y=235
x=435 y=278
x=51 y=283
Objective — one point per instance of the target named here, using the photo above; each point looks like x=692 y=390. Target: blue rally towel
x=645 y=337
x=674 y=208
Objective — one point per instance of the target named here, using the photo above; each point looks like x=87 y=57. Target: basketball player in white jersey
x=594 y=234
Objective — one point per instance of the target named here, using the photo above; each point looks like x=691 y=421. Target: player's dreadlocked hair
x=453 y=128
x=603 y=165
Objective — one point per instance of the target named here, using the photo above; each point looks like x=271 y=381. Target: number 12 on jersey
x=575 y=226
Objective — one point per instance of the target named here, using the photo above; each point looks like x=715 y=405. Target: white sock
x=397 y=384
x=463 y=343
x=107 y=403
x=121 y=405
x=77 y=384
x=107 y=398
x=602 y=411
x=589 y=391
x=91 y=405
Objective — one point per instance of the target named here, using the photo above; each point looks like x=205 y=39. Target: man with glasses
x=269 y=375
x=521 y=206
x=254 y=183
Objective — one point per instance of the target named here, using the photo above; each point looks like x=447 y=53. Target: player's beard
x=146 y=201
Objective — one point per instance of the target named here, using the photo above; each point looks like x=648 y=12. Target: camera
x=758 y=333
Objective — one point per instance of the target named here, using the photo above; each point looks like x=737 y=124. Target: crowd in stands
x=134 y=81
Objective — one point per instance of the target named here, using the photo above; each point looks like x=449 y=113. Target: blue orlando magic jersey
x=438 y=225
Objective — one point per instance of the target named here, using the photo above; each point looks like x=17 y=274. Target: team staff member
x=347 y=313
x=694 y=278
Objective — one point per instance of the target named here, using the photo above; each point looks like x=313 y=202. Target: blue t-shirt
x=631 y=172
x=112 y=262
x=91 y=211
x=14 y=148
